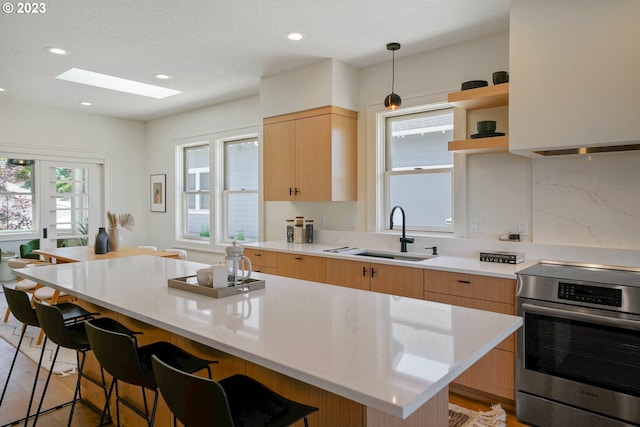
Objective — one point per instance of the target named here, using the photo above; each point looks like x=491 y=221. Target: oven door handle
x=585 y=317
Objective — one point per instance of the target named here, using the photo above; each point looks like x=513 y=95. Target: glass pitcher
x=238 y=265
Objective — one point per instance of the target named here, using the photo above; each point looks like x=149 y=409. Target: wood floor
x=61 y=390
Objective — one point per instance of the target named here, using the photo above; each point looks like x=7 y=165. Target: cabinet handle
x=290 y=191
x=464 y=282
x=373 y=271
x=364 y=271
x=296 y=191
x=298 y=258
x=257 y=254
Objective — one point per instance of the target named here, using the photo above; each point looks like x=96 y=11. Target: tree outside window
x=16 y=196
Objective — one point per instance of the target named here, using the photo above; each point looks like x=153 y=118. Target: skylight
x=105 y=81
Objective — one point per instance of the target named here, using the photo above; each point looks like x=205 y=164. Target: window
x=195 y=195
x=241 y=190
x=419 y=169
x=16 y=196
x=220 y=190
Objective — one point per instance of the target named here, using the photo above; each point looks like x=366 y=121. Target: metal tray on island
x=190 y=283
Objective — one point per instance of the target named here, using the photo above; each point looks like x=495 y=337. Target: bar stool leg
x=44 y=391
x=13 y=362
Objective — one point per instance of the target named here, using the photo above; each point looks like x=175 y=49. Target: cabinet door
x=494 y=374
x=402 y=281
x=301 y=267
x=313 y=158
x=278 y=161
x=351 y=274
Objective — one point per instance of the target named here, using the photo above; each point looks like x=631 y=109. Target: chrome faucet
x=404 y=239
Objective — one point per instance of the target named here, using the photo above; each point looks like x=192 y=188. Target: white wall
x=123 y=141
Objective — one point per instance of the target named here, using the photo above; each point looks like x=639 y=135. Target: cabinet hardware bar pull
x=364 y=271
x=290 y=191
x=298 y=258
x=296 y=192
x=466 y=282
x=257 y=254
x=373 y=271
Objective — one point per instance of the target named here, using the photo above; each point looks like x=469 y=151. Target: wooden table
x=87 y=253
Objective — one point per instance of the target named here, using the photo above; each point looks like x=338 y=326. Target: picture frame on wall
x=158 y=193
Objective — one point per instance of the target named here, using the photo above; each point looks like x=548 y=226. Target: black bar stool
x=121 y=357
x=236 y=401
x=20 y=306
x=74 y=337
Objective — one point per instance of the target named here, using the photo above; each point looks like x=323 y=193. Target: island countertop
x=386 y=352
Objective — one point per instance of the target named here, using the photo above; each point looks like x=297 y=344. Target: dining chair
x=232 y=402
x=182 y=254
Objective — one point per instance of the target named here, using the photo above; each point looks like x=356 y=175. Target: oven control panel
x=590 y=294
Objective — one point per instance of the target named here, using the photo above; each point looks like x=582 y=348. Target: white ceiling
x=216 y=50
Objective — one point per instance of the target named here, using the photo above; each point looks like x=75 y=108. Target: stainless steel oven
x=578 y=352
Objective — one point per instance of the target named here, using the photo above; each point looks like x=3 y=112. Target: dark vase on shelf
x=102 y=241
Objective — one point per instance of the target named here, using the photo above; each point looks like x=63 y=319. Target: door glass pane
x=16 y=196
x=71 y=209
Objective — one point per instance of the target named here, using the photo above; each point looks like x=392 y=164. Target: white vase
x=115 y=239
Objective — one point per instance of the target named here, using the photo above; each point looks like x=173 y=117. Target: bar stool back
x=121 y=357
x=232 y=402
x=20 y=306
x=65 y=335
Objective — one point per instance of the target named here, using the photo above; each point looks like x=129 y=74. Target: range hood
x=588 y=150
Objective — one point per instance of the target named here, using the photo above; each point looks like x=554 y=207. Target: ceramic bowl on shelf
x=472 y=84
x=486 y=126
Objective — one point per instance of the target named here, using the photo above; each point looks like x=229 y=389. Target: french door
x=71 y=204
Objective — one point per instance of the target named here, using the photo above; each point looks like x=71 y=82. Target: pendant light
x=393 y=100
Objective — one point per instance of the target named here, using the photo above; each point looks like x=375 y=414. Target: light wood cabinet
x=387 y=279
x=494 y=373
x=302 y=267
x=310 y=155
x=262 y=261
x=477 y=99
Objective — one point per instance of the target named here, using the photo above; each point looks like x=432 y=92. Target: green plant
x=204 y=231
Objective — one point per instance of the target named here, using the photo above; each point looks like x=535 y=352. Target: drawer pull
x=298 y=258
x=464 y=282
x=257 y=254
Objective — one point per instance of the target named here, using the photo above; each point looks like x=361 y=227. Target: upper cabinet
x=575 y=78
x=311 y=155
x=483 y=103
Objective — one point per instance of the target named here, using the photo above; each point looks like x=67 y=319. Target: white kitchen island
x=395 y=356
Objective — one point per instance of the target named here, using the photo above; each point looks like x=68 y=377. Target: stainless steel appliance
x=578 y=352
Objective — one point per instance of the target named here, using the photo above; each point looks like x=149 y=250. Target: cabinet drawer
x=509 y=344
x=262 y=258
x=264 y=269
x=301 y=267
x=471 y=286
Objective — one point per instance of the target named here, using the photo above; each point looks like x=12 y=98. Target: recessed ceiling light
x=57 y=51
x=163 y=76
x=105 y=81
x=294 y=36
x=86 y=104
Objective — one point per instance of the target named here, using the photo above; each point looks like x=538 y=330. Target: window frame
x=34 y=199
x=185 y=192
x=217 y=240
x=383 y=204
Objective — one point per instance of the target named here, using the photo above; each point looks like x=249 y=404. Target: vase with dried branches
x=117 y=223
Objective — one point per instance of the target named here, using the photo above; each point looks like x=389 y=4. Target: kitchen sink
x=399 y=256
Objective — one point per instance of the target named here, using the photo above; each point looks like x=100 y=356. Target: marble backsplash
x=587 y=200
